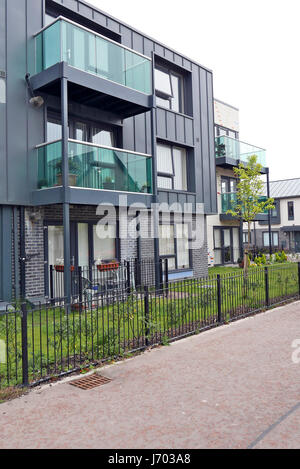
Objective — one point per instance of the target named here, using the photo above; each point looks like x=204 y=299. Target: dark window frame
x=74 y=243
x=218 y=128
x=172 y=176
x=246 y=237
x=175 y=256
x=166 y=97
x=222 y=248
x=73 y=119
x=267 y=233
x=291 y=215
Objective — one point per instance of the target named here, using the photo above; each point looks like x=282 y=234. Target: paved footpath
x=232 y=387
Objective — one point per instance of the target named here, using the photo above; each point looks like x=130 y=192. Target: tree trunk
x=246 y=254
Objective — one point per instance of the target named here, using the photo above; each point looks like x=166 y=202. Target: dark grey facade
x=68 y=91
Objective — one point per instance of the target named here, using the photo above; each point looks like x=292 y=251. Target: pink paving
x=221 y=389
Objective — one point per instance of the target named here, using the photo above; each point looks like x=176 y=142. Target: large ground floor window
x=90 y=243
x=226 y=245
x=174 y=245
x=274 y=236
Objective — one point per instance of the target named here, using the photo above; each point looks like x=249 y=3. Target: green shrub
x=263 y=259
x=284 y=256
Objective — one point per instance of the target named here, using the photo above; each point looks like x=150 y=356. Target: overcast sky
x=252 y=48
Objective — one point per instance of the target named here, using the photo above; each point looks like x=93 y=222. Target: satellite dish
x=37 y=101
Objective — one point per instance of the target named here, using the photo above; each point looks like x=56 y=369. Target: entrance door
x=227 y=247
x=297 y=241
x=54 y=255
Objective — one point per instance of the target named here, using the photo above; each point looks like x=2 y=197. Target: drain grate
x=90 y=382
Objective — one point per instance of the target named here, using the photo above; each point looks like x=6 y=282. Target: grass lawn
x=223 y=270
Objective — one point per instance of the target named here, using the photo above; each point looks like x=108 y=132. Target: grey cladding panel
x=3 y=161
x=171 y=126
x=140 y=140
x=161 y=123
x=189 y=132
x=71 y=4
x=126 y=36
x=138 y=43
x=180 y=133
x=16 y=95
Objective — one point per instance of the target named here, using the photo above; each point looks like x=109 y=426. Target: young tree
x=250 y=201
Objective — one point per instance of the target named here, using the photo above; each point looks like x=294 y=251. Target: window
x=275 y=239
x=103 y=137
x=172 y=168
x=228 y=185
x=83 y=131
x=226 y=245
x=2 y=91
x=274 y=212
x=246 y=238
x=174 y=245
x=55 y=244
x=169 y=90
x=54 y=130
x=291 y=212
x=222 y=131
x=104 y=242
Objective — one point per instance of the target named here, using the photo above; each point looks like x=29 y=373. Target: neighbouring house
x=285 y=219
x=225 y=233
x=90 y=110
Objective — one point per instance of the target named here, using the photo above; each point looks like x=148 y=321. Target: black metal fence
x=93 y=281
x=56 y=339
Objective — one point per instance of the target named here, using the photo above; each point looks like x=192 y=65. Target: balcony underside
x=228 y=217
x=91 y=90
x=79 y=196
x=230 y=163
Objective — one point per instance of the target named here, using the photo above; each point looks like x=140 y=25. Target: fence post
x=51 y=284
x=147 y=316
x=219 y=299
x=138 y=265
x=24 y=345
x=167 y=275
x=299 y=276
x=267 y=286
x=161 y=275
x=128 y=276
x=80 y=290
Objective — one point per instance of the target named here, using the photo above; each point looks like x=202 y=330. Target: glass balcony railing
x=229 y=201
x=94 y=167
x=227 y=147
x=86 y=50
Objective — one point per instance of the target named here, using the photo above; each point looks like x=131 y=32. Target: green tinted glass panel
x=95 y=168
x=50 y=166
x=229 y=201
x=91 y=53
x=110 y=61
x=51 y=45
x=78 y=47
x=138 y=72
x=234 y=149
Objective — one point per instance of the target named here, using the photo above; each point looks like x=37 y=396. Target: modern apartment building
x=225 y=233
x=91 y=110
x=285 y=219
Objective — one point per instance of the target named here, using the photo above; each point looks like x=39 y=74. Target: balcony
x=229 y=201
x=93 y=62
x=230 y=152
x=94 y=167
